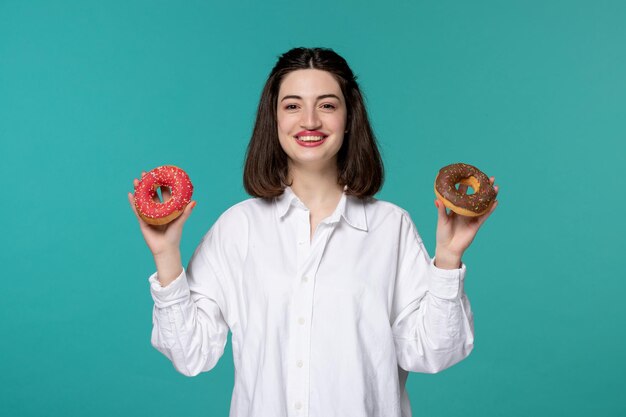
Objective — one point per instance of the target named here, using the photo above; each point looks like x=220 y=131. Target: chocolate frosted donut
x=464 y=204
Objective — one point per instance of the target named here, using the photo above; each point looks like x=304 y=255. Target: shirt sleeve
x=190 y=314
x=432 y=321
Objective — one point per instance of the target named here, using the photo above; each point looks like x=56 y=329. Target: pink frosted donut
x=157 y=213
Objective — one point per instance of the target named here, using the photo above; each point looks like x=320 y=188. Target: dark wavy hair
x=359 y=162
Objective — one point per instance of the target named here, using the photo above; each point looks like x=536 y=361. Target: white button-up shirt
x=321 y=327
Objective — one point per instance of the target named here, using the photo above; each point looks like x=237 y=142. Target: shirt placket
x=309 y=256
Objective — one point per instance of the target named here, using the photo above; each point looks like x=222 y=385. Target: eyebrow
x=318 y=97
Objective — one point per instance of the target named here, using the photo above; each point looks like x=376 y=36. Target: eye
x=328 y=106
x=291 y=107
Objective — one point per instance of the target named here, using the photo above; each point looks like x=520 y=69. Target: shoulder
x=234 y=222
x=239 y=211
x=388 y=216
x=386 y=211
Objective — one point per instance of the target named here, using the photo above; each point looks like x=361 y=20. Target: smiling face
x=311 y=117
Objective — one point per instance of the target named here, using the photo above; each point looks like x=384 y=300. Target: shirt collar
x=351 y=208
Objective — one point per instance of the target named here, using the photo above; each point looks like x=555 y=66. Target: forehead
x=309 y=82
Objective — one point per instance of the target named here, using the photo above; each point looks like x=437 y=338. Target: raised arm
x=432 y=320
x=188 y=323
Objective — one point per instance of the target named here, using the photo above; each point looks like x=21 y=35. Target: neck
x=315 y=187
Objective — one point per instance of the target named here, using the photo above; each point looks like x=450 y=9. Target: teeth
x=310 y=138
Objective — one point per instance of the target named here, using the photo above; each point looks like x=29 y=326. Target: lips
x=310 y=136
x=310 y=133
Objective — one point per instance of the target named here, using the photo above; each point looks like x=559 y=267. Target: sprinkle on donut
x=465 y=204
x=157 y=213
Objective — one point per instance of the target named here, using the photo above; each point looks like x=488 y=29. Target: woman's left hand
x=455 y=232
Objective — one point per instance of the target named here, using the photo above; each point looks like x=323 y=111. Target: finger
x=188 y=209
x=135 y=182
x=492 y=180
x=463 y=188
x=180 y=221
x=485 y=216
x=131 y=200
x=143 y=174
x=142 y=222
x=496 y=188
x=442 y=216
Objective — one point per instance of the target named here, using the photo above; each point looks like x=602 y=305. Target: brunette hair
x=359 y=162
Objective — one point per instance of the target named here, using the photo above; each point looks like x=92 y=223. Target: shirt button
x=300 y=364
x=298 y=405
x=301 y=320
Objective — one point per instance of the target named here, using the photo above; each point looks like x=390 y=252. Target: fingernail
x=436 y=203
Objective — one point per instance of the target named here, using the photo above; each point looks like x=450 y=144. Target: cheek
x=284 y=131
x=339 y=124
x=283 y=124
x=339 y=119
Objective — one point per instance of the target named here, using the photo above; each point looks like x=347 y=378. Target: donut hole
x=470 y=189
x=160 y=193
x=472 y=185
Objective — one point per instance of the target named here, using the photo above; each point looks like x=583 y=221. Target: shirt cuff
x=446 y=283
x=176 y=292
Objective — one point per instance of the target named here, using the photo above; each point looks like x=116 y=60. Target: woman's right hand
x=162 y=239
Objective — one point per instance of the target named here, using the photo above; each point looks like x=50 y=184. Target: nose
x=310 y=119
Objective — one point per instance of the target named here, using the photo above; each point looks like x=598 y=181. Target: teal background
x=532 y=92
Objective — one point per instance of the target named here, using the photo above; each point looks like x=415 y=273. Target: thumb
x=187 y=212
x=179 y=221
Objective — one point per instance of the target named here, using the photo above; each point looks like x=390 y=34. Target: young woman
x=329 y=293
